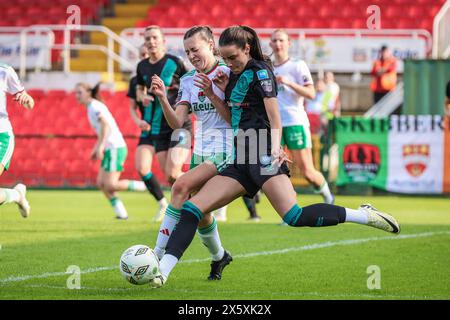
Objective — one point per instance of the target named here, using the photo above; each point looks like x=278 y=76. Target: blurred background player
x=172 y=151
x=10 y=83
x=335 y=90
x=145 y=150
x=384 y=73
x=110 y=148
x=294 y=84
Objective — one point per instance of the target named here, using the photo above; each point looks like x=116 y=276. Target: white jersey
x=9 y=83
x=97 y=110
x=292 y=107
x=212 y=132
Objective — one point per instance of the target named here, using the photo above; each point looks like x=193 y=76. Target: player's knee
x=109 y=187
x=180 y=189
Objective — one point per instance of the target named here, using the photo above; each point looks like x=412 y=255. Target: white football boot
x=24 y=206
x=380 y=220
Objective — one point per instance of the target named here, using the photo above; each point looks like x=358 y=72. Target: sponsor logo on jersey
x=262 y=74
x=202 y=106
x=416 y=158
x=266 y=85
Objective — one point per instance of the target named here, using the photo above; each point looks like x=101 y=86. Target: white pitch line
x=244 y=255
x=273 y=293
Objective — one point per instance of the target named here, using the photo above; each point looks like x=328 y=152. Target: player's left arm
x=24 y=99
x=97 y=152
x=273 y=113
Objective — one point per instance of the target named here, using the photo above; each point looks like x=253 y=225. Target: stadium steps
x=126 y=16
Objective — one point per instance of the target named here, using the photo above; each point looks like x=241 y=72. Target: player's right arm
x=175 y=118
x=142 y=124
x=15 y=87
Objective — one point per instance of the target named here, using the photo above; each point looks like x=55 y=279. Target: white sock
x=168 y=223
x=326 y=193
x=356 y=216
x=119 y=208
x=135 y=185
x=11 y=195
x=168 y=262
x=163 y=202
x=221 y=211
x=211 y=239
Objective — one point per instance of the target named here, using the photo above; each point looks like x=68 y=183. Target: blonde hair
x=281 y=31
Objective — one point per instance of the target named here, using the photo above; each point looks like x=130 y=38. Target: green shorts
x=219 y=160
x=6 y=148
x=296 y=137
x=114 y=159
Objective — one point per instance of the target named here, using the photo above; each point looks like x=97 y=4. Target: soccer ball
x=139 y=264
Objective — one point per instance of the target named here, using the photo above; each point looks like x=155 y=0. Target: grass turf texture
x=78 y=228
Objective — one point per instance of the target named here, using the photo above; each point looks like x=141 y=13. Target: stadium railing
x=441 y=33
x=67 y=46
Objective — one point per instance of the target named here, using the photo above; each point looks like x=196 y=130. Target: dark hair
x=205 y=32
x=93 y=92
x=240 y=36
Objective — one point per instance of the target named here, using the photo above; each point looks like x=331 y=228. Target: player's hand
x=146 y=99
x=24 y=99
x=97 y=153
x=157 y=87
x=202 y=81
x=144 y=125
x=221 y=80
x=279 y=157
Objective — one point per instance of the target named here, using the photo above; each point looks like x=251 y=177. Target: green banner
x=363 y=147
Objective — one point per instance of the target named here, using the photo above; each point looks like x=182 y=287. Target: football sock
x=153 y=186
x=356 y=216
x=185 y=231
x=10 y=195
x=221 y=213
x=209 y=236
x=171 y=218
x=167 y=263
x=134 y=185
x=324 y=190
x=118 y=207
x=316 y=215
x=250 y=203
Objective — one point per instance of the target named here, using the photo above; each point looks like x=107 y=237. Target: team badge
x=201 y=96
x=416 y=158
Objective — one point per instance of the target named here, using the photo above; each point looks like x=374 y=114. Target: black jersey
x=170 y=69
x=245 y=95
x=448 y=90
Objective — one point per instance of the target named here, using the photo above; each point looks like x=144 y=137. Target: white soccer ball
x=139 y=264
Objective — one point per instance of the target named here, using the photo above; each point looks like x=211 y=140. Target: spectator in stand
x=384 y=72
x=323 y=104
x=334 y=89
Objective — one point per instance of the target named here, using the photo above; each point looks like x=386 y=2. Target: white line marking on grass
x=273 y=293
x=245 y=255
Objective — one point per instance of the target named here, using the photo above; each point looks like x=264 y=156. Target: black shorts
x=179 y=138
x=253 y=176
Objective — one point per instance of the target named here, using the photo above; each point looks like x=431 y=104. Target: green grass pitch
x=270 y=261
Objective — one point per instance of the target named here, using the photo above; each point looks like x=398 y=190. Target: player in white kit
x=213 y=138
x=10 y=84
x=294 y=84
x=110 y=149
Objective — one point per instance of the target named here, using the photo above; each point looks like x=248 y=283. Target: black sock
x=250 y=203
x=316 y=215
x=184 y=231
x=153 y=186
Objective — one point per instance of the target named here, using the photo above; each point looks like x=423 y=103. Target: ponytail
x=241 y=36
x=95 y=92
